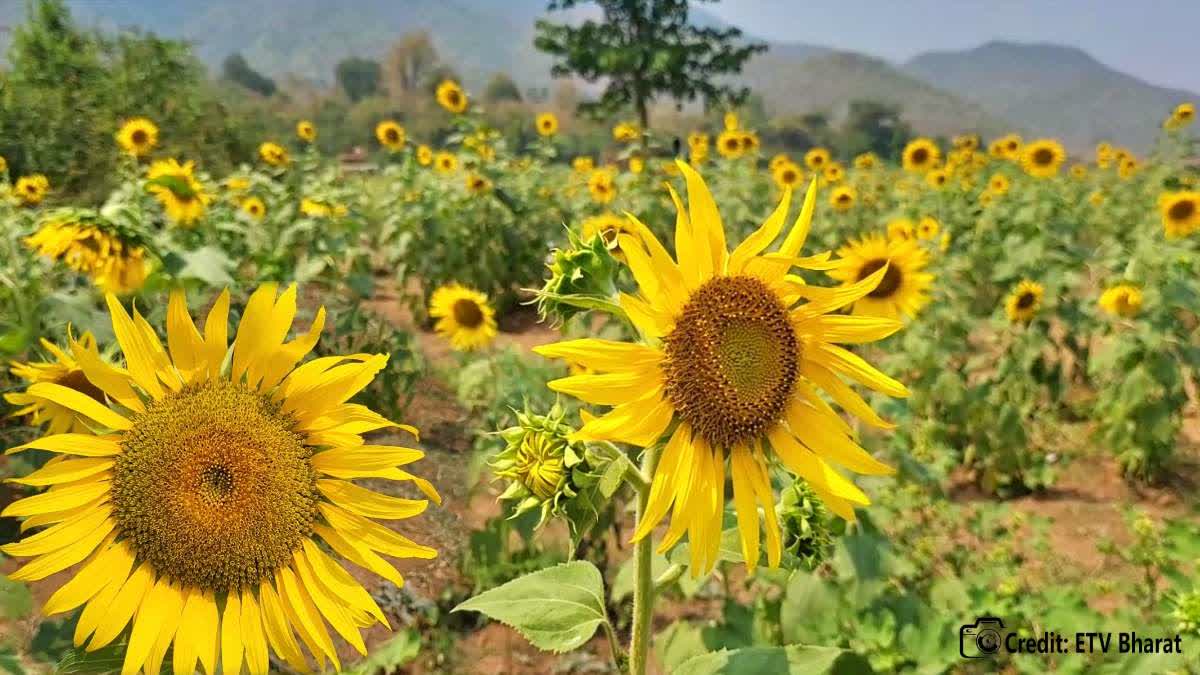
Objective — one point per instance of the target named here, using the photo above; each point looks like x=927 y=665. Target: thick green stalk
x=643 y=588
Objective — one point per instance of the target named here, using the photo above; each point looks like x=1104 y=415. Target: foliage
x=358 y=77
x=236 y=69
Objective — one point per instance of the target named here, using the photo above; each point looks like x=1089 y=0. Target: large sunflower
x=1122 y=300
x=902 y=292
x=729 y=144
x=64 y=370
x=138 y=136
x=729 y=370
x=175 y=185
x=113 y=264
x=390 y=135
x=464 y=317
x=1043 y=157
x=1024 y=302
x=920 y=155
x=451 y=96
x=195 y=496
x=1180 y=213
x=787 y=174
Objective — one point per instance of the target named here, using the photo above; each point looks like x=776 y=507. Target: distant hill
x=1055 y=90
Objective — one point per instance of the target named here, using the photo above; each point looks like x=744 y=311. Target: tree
x=501 y=88
x=409 y=62
x=643 y=49
x=871 y=126
x=359 y=78
x=236 y=69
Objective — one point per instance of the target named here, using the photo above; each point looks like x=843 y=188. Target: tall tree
x=409 y=62
x=501 y=88
x=359 y=78
x=644 y=49
x=236 y=69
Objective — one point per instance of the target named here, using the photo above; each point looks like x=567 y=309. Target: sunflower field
x=687 y=405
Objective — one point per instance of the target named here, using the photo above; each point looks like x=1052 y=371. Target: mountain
x=1052 y=90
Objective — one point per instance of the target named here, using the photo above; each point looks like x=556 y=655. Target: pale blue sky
x=1155 y=40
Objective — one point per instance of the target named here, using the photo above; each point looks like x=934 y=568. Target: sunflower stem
x=643 y=588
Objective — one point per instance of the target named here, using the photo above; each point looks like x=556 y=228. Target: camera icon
x=982 y=638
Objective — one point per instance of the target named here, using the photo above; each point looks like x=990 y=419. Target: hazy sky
x=1155 y=40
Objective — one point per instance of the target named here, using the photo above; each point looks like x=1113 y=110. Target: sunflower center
x=920 y=155
x=1026 y=300
x=453 y=99
x=789 y=176
x=139 y=137
x=892 y=278
x=467 y=313
x=213 y=488
x=1043 y=156
x=732 y=360
x=1182 y=210
x=392 y=136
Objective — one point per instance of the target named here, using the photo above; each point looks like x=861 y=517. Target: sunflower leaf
x=557 y=609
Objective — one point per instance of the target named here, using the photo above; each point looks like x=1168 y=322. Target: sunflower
x=1096 y=198
x=424 y=155
x=113 y=264
x=445 y=163
x=1127 y=167
x=390 y=135
x=625 y=132
x=609 y=226
x=306 y=131
x=451 y=96
x=698 y=139
x=318 y=209
x=31 y=190
x=583 y=164
x=816 y=158
x=968 y=142
x=1104 y=154
x=138 y=136
x=842 y=198
x=937 y=178
x=176 y=187
x=600 y=185
x=1122 y=300
x=731 y=121
x=999 y=184
x=732 y=355
x=1043 y=157
x=196 y=494
x=546 y=124
x=1011 y=146
x=237 y=184
x=866 y=161
x=902 y=292
x=729 y=144
x=3 y=165
x=901 y=228
x=1024 y=301
x=254 y=207
x=778 y=161
x=927 y=228
x=920 y=155
x=477 y=184
x=787 y=175
x=636 y=165
x=1079 y=171
x=749 y=141
x=464 y=317
x=1180 y=213
x=832 y=173
x=64 y=371
x=1183 y=115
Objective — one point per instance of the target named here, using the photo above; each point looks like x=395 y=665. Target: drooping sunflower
x=464 y=317
x=610 y=227
x=920 y=155
x=65 y=371
x=729 y=144
x=87 y=244
x=729 y=368
x=1122 y=300
x=477 y=184
x=1180 y=213
x=927 y=228
x=31 y=190
x=195 y=497
x=306 y=131
x=273 y=154
x=625 y=132
x=787 y=175
x=451 y=96
x=546 y=124
x=1183 y=115
x=1043 y=157
x=177 y=189
x=424 y=155
x=254 y=207
x=601 y=186
x=137 y=136
x=816 y=158
x=842 y=198
x=390 y=135
x=1024 y=301
x=902 y=291
x=445 y=163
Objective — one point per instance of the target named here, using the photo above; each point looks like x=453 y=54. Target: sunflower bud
x=806 y=525
x=580 y=276
x=545 y=468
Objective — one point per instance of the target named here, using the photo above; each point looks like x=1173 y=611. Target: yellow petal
x=640 y=422
x=329 y=606
x=122 y=608
x=373 y=534
x=231 y=635
x=81 y=403
x=814 y=431
x=673 y=471
x=705 y=218
x=253 y=637
x=60 y=536
x=138 y=355
x=761 y=238
x=150 y=616
x=849 y=329
x=853 y=366
x=359 y=554
x=745 y=505
x=842 y=394
x=794 y=242
x=98 y=606
x=113 y=562
x=340 y=584
x=365 y=458
x=695 y=263
x=609 y=388
x=59 y=499
x=84 y=445
x=275 y=626
x=65 y=471
x=303 y=614
x=173 y=599
x=253 y=327
x=184 y=341
x=216 y=334
x=370 y=504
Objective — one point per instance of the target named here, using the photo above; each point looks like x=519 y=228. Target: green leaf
x=386 y=657
x=9 y=663
x=208 y=264
x=557 y=609
x=15 y=599
x=78 y=661
x=792 y=660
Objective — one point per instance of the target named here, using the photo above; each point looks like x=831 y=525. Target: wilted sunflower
x=64 y=371
x=920 y=155
x=90 y=246
x=1122 y=300
x=451 y=96
x=842 y=198
x=866 y=161
x=927 y=228
x=816 y=158
x=176 y=187
x=610 y=227
x=903 y=290
x=787 y=175
x=445 y=163
x=937 y=178
x=1180 y=213
x=254 y=207
x=306 y=131
x=998 y=183
x=729 y=144
x=901 y=228
x=477 y=184
x=600 y=185
x=547 y=124
x=195 y=494
x=1043 y=157
x=463 y=317
x=138 y=136
x=31 y=190
x=625 y=132
x=390 y=135
x=1024 y=302
x=424 y=155
x=733 y=356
